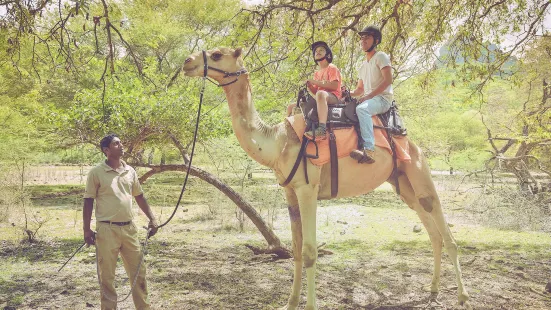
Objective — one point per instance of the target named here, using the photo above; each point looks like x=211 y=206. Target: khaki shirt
x=113 y=191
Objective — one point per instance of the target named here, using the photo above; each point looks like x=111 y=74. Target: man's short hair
x=106 y=141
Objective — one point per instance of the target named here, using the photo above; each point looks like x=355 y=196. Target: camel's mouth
x=190 y=71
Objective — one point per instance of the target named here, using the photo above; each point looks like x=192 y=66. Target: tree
x=520 y=141
x=102 y=66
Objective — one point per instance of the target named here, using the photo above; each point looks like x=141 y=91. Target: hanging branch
x=129 y=49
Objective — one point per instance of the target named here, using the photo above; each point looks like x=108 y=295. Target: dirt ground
x=197 y=262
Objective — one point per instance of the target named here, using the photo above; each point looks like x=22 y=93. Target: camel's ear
x=237 y=52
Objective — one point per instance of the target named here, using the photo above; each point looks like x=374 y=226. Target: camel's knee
x=426 y=202
x=309 y=255
x=451 y=246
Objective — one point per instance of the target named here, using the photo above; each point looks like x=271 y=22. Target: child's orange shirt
x=329 y=74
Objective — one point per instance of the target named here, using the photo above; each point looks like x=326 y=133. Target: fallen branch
x=547 y=297
x=281 y=252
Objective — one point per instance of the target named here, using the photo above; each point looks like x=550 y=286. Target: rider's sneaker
x=320 y=134
x=365 y=156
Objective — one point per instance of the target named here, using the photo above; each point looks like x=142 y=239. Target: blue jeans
x=365 y=110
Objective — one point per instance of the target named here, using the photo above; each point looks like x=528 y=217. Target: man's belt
x=117 y=223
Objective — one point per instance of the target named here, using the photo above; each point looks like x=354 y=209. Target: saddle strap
x=297 y=163
x=334 y=163
x=394 y=160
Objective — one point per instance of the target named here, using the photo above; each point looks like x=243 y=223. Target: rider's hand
x=153 y=227
x=89 y=237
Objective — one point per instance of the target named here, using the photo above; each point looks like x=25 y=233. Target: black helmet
x=373 y=31
x=328 y=53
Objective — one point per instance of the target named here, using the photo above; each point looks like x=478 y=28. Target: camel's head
x=225 y=59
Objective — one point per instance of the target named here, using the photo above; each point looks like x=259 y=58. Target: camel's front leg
x=451 y=247
x=296 y=229
x=419 y=176
x=408 y=196
x=307 y=199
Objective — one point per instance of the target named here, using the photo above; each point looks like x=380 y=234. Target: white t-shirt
x=371 y=75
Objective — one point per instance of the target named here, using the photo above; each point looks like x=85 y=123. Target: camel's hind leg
x=296 y=229
x=408 y=196
x=418 y=174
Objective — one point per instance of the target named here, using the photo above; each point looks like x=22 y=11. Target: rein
x=206 y=67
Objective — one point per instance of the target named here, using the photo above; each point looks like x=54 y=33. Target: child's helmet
x=328 y=52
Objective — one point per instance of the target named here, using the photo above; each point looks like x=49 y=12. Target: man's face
x=115 y=148
x=367 y=41
x=319 y=52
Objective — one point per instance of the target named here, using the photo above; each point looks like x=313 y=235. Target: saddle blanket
x=347 y=141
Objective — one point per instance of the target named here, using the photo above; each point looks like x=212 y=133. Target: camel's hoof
x=464 y=301
x=310 y=307
x=429 y=288
x=287 y=307
x=466 y=304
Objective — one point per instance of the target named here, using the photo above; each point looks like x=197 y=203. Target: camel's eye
x=216 y=56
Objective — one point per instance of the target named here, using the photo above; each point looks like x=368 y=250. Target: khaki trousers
x=110 y=240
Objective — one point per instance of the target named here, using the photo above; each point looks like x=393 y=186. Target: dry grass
x=199 y=260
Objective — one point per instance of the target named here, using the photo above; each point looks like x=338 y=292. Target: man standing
x=113 y=183
x=375 y=91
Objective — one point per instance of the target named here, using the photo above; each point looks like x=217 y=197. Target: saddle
x=342 y=115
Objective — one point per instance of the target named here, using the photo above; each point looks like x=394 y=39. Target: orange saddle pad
x=347 y=141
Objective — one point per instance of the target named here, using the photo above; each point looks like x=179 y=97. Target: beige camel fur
x=277 y=147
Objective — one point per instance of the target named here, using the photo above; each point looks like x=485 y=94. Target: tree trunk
x=274 y=244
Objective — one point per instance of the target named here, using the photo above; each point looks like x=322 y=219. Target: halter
x=226 y=74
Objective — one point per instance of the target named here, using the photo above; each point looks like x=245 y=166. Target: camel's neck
x=256 y=138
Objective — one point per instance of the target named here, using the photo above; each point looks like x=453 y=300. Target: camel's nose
x=188 y=60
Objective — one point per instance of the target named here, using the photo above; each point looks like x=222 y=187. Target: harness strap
x=206 y=67
x=394 y=162
x=394 y=156
x=305 y=164
x=297 y=163
x=334 y=163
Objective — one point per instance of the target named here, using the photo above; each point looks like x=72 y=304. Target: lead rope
x=194 y=140
x=144 y=248
x=190 y=159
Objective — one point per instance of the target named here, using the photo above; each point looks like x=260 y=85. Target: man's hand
x=153 y=227
x=89 y=237
x=364 y=98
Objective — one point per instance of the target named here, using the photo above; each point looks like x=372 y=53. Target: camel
x=277 y=147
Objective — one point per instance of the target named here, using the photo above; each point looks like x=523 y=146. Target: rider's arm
x=387 y=81
x=359 y=89
x=330 y=86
